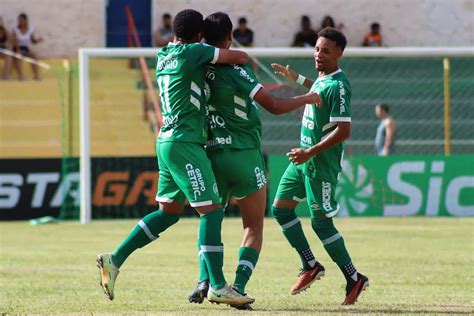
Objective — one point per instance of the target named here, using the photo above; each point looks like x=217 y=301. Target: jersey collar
x=331 y=74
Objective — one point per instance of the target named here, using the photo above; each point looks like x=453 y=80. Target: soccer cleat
x=353 y=289
x=108 y=273
x=307 y=277
x=243 y=307
x=199 y=293
x=227 y=295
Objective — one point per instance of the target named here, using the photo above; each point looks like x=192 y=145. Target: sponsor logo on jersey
x=169 y=120
x=216 y=121
x=220 y=141
x=196 y=178
x=167 y=63
x=342 y=101
x=306 y=141
x=244 y=74
x=260 y=176
x=308 y=117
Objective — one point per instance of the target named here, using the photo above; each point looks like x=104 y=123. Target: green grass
x=415 y=265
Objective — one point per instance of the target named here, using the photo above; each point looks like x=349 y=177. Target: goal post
x=85 y=54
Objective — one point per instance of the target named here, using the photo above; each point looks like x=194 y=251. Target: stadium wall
x=66 y=25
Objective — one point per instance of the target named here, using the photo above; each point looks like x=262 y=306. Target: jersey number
x=164 y=84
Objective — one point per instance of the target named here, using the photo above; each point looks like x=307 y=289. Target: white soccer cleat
x=108 y=273
x=227 y=295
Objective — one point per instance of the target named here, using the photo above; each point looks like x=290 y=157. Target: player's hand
x=313 y=97
x=286 y=72
x=299 y=156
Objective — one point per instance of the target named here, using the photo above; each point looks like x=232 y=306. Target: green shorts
x=320 y=194
x=185 y=172
x=239 y=172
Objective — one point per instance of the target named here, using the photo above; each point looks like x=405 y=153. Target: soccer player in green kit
x=234 y=147
x=185 y=171
x=315 y=167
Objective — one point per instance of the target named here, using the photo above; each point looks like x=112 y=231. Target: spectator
x=23 y=37
x=386 y=131
x=242 y=34
x=328 y=21
x=5 y=43
x=373 y=38
x=306 y=37
x=165 y=34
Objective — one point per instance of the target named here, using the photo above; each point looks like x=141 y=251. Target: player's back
x=234 y=120
x=180 y=71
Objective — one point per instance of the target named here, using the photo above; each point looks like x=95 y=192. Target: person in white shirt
x=23 y=38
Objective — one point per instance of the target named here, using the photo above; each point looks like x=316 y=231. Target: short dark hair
x=384 y=107
x=166 y=16
x=374 y=25
x=334 y=35
x=23 y=15
x=304 y=18
x=187 y=24
x=243 y=20
x=217 y=27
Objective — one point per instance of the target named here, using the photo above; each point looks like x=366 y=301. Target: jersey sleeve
x=340 y=102
x=245 y=80
x=203 y=54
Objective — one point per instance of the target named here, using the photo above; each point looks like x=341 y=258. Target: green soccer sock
x=203 y=273
x=211 y=246
x=334 y=245
x=293 y=231
x=248 y=258
x=147 y=230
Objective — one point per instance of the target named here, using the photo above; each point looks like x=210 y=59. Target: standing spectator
x=5 y=43
x=165 y=34
x=374 y=37
x=328 y=21
x=23 y=37
x=386 y=131
x=242 y=34
x=306 y=37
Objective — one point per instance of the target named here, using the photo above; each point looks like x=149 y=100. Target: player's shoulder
x=242 y=72
x=339 y=81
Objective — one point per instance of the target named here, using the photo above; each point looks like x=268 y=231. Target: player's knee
x=323 y=227
x=283 y=215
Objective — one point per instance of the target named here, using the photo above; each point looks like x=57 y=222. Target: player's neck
x=328 y=71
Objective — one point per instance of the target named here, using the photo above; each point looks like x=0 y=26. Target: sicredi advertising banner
x=398 y=185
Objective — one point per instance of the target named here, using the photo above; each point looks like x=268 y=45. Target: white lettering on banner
x=197 y=181
x=396 y=184
x=41 y=181
x=9 y=191
x=434 y=189
x=452 y=196
x=65 y=187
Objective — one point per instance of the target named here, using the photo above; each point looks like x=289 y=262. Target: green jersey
x=335 y=92
x=233 y=117
x=180 y=71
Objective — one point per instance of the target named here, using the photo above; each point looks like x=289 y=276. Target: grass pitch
x=415 y=266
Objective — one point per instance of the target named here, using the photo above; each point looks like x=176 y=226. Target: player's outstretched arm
x=291 y=75
x=340 y=134
x=282 y=106
x=229 y=56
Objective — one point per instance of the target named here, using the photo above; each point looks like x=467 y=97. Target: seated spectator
x=5 y=43
x=242 y=34
x=374 y=37
x=165 y=34
x=328 y=21
x=306 y=37
x=23 y=38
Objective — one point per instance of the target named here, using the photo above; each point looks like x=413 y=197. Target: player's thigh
x=252 y=209
x=321 y=197
x=192 y=172
x=168 y=190
x=291 y=189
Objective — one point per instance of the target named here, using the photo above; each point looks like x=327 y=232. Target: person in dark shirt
x=242 y=34
x=306 y=37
